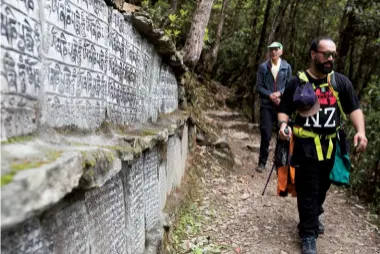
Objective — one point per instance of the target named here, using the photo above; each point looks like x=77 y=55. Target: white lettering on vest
x=332 y=112
x=315 y=120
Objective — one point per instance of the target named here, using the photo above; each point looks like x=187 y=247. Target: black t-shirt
x=328 y=118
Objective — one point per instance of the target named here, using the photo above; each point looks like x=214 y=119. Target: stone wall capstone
x=124 y=215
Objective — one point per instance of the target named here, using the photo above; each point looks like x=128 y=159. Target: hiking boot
x=309 y=245
x=260 y=168
x=321 y=227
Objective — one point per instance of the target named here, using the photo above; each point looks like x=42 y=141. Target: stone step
x=224 y=115
x=241 y=126
x=256 y=147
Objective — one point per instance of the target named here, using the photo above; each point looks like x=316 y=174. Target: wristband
x=280 y=123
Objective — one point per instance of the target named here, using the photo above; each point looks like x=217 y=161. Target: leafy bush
x=174 y=22
x=365 y=174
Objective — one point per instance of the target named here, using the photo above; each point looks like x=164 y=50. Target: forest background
x=226 y=40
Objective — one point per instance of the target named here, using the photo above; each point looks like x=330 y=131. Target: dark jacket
x=266 y=84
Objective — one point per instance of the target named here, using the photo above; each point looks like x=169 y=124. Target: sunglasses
x=326 y=55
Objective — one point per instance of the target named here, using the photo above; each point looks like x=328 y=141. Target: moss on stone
x=17 y=166
x=88 y=159
x=147 y=132
x=19 y=139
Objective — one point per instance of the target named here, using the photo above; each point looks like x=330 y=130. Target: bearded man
x=312 y=95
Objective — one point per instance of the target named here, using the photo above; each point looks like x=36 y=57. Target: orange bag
x=286 y=176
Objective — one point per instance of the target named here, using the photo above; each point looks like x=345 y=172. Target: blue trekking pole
x=274 y=165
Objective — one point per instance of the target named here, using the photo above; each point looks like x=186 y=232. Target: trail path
x=235 y=214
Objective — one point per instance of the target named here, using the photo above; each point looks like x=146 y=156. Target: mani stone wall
x=77 y=63
x=101 y=152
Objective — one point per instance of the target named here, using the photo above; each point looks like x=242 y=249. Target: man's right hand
x=282 y=134
x=272 y=97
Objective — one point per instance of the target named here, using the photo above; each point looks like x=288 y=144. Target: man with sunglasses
x=315 y=132
x=272 y=77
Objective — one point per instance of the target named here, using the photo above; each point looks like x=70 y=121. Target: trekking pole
x=274 y=165
x=270 y=174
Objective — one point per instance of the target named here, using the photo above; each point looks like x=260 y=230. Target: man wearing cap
x=317 y=122
x=272 y=77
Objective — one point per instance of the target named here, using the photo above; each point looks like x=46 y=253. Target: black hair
x=315 y=43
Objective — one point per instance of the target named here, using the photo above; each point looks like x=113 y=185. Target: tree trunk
x=321 y=21
x=351 y=62
x=254 y=22
x=280 y=14
x=346 y=35
x=218 y=36
x=194 y=42
x=259 y=54
x=293 y=36
x=173 y=5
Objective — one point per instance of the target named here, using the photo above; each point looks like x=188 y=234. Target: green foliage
x=206 y=37
x=365 y=177
x=185 y=235
x=173 y=22
x=176 y=23
x=157 y=12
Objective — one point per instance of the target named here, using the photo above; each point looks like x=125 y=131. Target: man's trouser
x=312 y=182
x=268 y=118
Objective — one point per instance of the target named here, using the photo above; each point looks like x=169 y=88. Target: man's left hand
x=360 y=142
x=278 y=94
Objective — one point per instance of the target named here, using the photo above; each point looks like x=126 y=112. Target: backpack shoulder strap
x=304 y=79
x=302 y=76
x=333 y=88
x=333 y=81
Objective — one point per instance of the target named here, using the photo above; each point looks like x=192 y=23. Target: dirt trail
x=236 y=218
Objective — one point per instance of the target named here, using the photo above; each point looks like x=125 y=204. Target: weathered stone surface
x=99 y=166
x=240 y=135
x=119 y=214
x=91 y=162
x=253 y=147
x=66 y=227
x=119 y=4
x=221 y=143
x=127 y=7
x=174 y=151
x=39 y=188
x=81 y=74
x=133 y=181
x=26 y=238
x=151 y=189
x=163 y=44
x=154 y=239
x=83 y=66
x=106 y=210
x=20 y=89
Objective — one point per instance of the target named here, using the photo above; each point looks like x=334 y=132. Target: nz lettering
x=313 y=121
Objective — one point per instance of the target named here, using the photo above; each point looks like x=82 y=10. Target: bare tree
x=194 y=41
x=216 y=46
x=279 y=17
x=259 y=55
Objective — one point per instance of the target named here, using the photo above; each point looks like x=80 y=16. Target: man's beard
x=321 y=67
